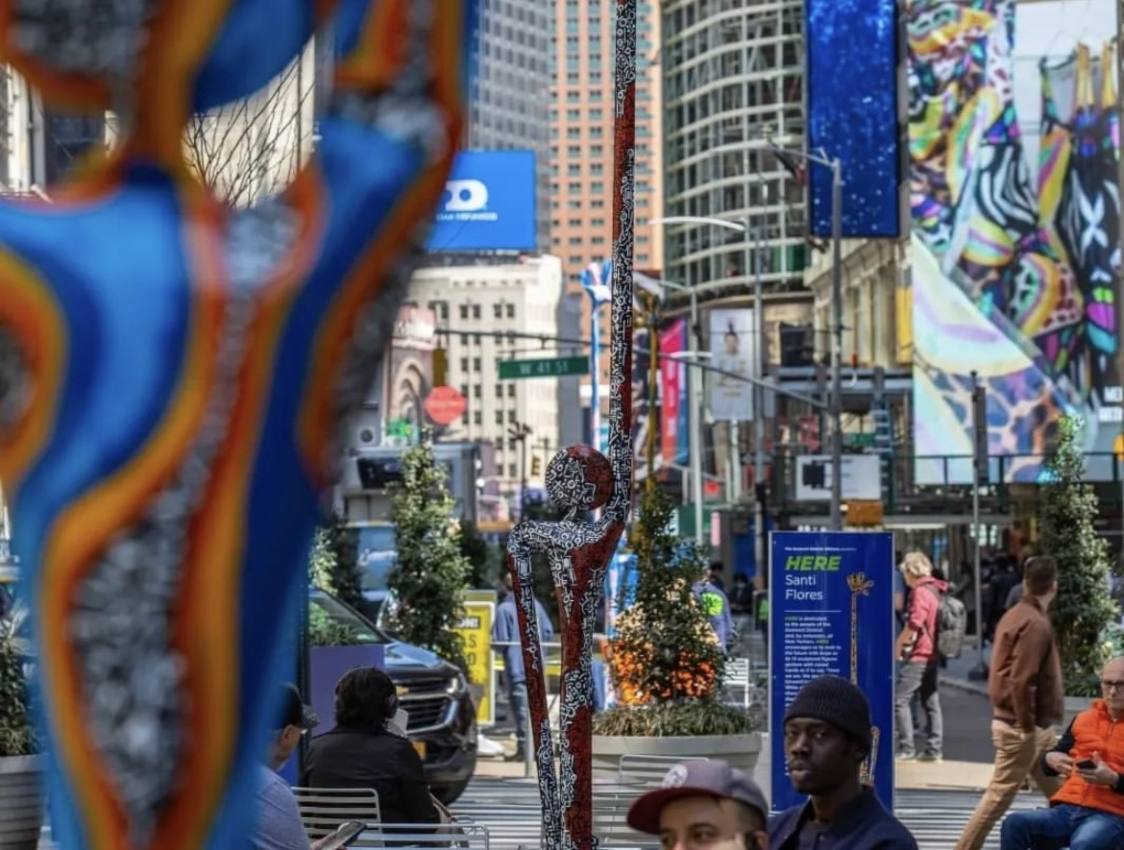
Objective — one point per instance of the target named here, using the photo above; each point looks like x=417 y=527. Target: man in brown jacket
x=1025 y=686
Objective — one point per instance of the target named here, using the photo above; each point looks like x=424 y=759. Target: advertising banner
x=1014 y=145
x=852 y=90
x=732 y=352
x=488 y=205
x=831 y=613
x=673 y=393
x=476 y=629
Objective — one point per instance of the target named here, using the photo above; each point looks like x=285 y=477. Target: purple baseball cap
x=697 y=778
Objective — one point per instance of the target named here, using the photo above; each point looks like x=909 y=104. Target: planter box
x=740 y=751
x=1073 y=707
x=21 y=802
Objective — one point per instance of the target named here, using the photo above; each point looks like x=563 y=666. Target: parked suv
x=442 y=724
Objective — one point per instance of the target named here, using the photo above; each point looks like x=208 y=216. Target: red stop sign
x=444 y=405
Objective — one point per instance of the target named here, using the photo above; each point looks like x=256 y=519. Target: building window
x=512 y=472
x=477 y=418
x=511 y=416
x=476 y=311
x=464 y=390
x=476 y=339
x=499 y=417
x=511 y=390
x=476 y=391
x=497 y=309
x=464 y=364
x=464 y=311
x=475 y=364
x=499 y=390
x=511 y=311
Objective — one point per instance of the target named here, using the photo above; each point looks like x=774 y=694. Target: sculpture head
x=579 y=478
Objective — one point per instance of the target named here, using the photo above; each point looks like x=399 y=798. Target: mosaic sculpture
x=579 y=480
x=173 y=375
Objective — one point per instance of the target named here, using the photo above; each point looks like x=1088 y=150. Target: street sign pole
x=979 y=469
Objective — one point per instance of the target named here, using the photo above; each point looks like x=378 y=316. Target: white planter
x=21 y=802
x=740 y=751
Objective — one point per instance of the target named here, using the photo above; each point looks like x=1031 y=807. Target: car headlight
x=457 y=685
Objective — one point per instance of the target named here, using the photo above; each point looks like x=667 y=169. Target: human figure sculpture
x=579 y=480
x=174 y=376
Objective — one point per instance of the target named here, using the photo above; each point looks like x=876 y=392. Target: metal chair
x=324 y=809
x=450 y=836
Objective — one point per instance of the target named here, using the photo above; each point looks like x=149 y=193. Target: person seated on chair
x=1087 y=813
x=367 y=750
x=703 y=803
x=279 y=824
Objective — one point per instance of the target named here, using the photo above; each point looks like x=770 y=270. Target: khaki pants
x=1015 y=759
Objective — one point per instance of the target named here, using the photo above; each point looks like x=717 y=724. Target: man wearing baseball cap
x=703 y=804
x=279 y=824
x=826 y=740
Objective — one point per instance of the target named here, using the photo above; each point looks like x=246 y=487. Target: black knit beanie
x=835 y=701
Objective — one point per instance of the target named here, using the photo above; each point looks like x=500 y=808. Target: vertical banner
x=732 y=354
x=476 y=629
x=852 y=88
x=831 y=613
x=673 y=389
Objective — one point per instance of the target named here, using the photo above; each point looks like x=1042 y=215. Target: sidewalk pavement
x=920 y=776
x=955 y=673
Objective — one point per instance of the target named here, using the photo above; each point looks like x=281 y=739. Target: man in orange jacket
x=1088 y=812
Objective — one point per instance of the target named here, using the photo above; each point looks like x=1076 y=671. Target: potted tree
x=1083 y=611
x=666 y=664
x=21 y=798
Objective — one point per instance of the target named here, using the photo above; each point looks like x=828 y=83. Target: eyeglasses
x=1110 y=685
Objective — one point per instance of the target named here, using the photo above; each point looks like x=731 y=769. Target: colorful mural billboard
x=1014 y=145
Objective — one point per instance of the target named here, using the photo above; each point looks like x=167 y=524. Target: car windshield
x=331 y=623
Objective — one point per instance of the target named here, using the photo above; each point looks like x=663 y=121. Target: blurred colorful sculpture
x=580 y=479
x=173 y=374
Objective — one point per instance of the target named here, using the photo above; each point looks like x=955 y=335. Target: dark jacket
x=862 y=825
x=1025 y=684
x=348 y=758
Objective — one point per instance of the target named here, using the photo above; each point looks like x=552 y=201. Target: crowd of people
x=827 y=740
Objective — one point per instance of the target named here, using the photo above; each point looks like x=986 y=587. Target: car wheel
x=449 y=794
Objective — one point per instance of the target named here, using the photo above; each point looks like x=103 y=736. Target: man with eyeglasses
x=1088 y=812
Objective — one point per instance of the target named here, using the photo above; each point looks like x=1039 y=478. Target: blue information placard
x=831 y=612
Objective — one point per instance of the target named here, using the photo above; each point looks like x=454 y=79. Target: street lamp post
x=836 y=166
x=519 y=432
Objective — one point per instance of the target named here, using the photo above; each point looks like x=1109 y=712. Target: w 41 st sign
x=553 y=367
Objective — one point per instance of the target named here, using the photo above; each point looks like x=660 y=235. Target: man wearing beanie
x=826 y=740
x=703 y=803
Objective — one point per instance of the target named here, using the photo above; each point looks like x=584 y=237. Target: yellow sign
x=476 y=628
x=863 y=513
x=1118 y=447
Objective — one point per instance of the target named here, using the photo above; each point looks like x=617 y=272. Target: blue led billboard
x=488 y=205
x=853 y=59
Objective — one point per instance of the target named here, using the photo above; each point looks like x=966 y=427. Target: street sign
x=476 y=629
x=862 y=477
x=831 y=613
x=552 y=367
x=444 y=405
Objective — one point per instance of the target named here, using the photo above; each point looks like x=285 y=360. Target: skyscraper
x=733 y=79
x=508 y=104
x=581 y=143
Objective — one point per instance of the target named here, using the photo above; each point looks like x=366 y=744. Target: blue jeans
x=517 y=705
x=1075 y=827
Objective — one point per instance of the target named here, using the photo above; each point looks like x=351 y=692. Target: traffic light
x=440 y=367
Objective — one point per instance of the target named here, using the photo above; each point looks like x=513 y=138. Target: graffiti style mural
x=1015 y=227
x=579 y=480
x=174 y=374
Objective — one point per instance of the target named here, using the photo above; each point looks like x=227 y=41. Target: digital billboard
x=1014 y=145
x=488 y=205
x=853 y=60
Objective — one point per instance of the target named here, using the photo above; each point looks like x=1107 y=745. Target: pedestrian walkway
x=509 y=809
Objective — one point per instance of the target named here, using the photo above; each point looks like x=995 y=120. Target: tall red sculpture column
x=579 y=480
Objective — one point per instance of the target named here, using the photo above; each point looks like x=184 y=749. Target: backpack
x=952 y=623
